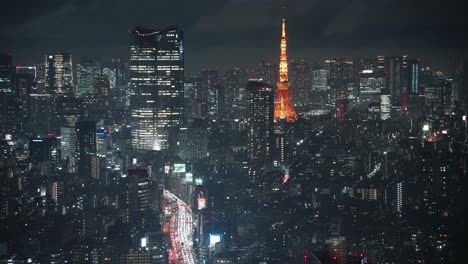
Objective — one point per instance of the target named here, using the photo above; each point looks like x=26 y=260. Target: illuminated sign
x=214 y=239
x=445 y=131
x=167 y=168
x=179 y=168
x=426 y=127
x=189 y=177
x=201 y=203
x=367 y=71
x=198 y=181
x=143 y=242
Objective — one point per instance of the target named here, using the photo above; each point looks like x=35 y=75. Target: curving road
x=180 y=230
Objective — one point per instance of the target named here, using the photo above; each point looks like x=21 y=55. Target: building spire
x=284 y=108
x=283 y=70
x=283 y=34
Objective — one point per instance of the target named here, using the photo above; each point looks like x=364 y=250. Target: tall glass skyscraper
x=156 y=85
x=260 y=116
x=59 y=73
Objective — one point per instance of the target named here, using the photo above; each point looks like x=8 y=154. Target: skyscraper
x=235 y=82
x=371 y=84
x=6 y=73
x=301 y=80
x=59 y=73
x=86 y=77
x=413 y=76
x=85 y=146
x=393 y=69
x=260 y=116
x=102 y=85
x=284 y=109
x=156 y=81
x=268 y=72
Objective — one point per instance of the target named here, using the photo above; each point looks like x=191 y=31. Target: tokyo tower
x=284 y=109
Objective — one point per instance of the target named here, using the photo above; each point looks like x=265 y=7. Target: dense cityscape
x=133 y=159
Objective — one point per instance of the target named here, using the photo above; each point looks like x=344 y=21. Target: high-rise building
x=284 y=109
x=68 y=147
x=6 y=73
x=385 y=104
x=194 y=141
x=341 y=73
x=44 y=149
x=319 y=80
x=301 y=80
x=268 y=72
x=234 y=82
x=120 y=69
x=24 y=86
x=59 y=73
x=8 y=100
x=260 y=116
x=393 y=81
x=85 y=146
x=102 y=85
x=139 y=196
x=370 y=85
x=413 y=76
x=41 y=113
x=212 y=93
x=381 y=65
x=86 y=77
x=194 y=105
x=31 y=70
x=157 y=84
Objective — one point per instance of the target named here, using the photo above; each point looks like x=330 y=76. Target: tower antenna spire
x=284 y=108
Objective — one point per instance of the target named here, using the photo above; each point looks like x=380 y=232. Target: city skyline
x=130 y=157
x=320 y=29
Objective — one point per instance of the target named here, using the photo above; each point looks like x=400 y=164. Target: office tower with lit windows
x=234 y=82
x=8 y=98
x=120 y=70
x=41 y=112
x=44 y=149
x=385 y=104
x=102 y=85
x=85 y=146
x=268 y=72
x=413 y=76
x=31 y=70
x=260 y=116
x=86 y=77
x=393 y=77
x=193 y=141
x=68 y=148
x=213 y=94
x=157 y=85
x=370 y=85
x=301 y=80
x=59 y=73
x=340 y=73
x=6 y=73
x=138 y=197
x=194 y=105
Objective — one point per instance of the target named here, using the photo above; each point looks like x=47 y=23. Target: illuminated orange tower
x=284 y=108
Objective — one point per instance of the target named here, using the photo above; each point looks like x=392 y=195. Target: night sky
x=225 y=33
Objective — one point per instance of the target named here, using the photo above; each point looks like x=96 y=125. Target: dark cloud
x=242 y=30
